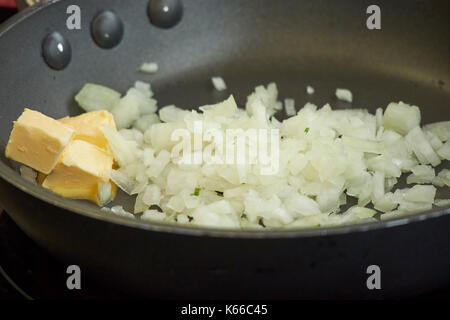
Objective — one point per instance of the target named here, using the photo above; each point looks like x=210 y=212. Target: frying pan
x=296 y=43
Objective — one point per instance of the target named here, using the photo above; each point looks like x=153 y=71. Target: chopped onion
x=421 y=147
x=401 y=117
x=325 y=156
x=420 y=193
x=344 y=95
x=392 y=215
x=126 y=111
x=421 y=174
x=442 y=179
x=146 y=121
x=444 y=151
x=104 y=192
x=120 y=211
x=442 y=202
x=149 y=67
x=218 y=83
x=439 y=129
x=153 y=215
x=289 y=107
x=121 y=149
x=96 y=97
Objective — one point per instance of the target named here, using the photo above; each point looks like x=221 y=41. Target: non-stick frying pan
x=293 y=42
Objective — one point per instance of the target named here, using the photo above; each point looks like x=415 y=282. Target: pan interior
x=294 y=43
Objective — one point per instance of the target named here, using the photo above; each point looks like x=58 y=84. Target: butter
x=87 y=126
x=40 y=178
x=38 y=141
x=82 y=172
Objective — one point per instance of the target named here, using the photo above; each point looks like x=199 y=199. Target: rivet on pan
x=165 y=13
x=107 y=29
x=56 y=51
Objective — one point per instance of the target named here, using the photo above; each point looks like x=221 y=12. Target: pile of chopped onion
x=328 y=159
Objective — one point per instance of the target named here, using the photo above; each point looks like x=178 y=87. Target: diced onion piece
x=378 y=185
x=219 y=213
x=362 y=144
x=302 y=205
x=149 y=67
x=413 y=207
x=139 y=205
x=219 y=83
x=158 y=164
x=421 y=147
x=442 y=202
x=146 y=104
x=442 y=179
x=439 y=129
x=421 y=174
x=379 y=117
x=222 y=109
x=392 y=215
x=289 y=106
x=344 y=95
x=153 y=215
x=171 y=113
x=444 y=151
x=120 y=211
x=420 y=193
x=126 y=111
x=146 y=121
x=152 y=195
x=121 y=149
x=266 y=97
x=385 y=203
x=96 y=97
x=144 y=88
x=182 y=218
x=359 y=212
x=104 y=192
x=434 y=141
x=160 y=135
x=401 y=117
x=124 y=182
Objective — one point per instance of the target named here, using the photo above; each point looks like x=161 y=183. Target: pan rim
x=74 y=206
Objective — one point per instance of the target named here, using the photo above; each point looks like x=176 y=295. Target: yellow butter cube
x=37 y=140
x=87 y=126
x=81 y=172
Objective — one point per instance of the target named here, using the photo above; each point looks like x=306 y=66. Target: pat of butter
x=37 y=140
x=81 y=172
x=40 y=178
x=87 y=126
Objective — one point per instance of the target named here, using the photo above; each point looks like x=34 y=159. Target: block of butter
x=37 y=140
x=87 y=126
x=83 y=172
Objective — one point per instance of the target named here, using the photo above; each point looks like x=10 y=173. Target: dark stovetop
x=27 y=271
x=5 y=13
